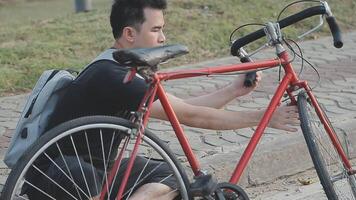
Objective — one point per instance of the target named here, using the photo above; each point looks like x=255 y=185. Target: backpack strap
x=29 y=111
x=105 y=55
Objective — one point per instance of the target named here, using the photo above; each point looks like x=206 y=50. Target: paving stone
x=343 y=83
x=159 y=125
x=9 y=114
x=334 y=109
x=232 y=137
x=235 y=107
x=2 y=130
x=199 y=130
x=3 y=175
x=348 y=106
x=8 y=124
x=350 y=94
x=251 y=105
x=215 y=140
x=351 y=80
x=326 y=102
x=245 y=132
x=339 y=97
x=176 y=149
x=261 y=101
x=166 y=136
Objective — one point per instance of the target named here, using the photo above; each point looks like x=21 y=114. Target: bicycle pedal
x=203 y=185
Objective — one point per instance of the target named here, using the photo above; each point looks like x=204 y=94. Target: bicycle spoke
x=91 y=162
x=108 y=157
x=154 y=169
x=65 y=174
x=39 y=190
x=166 y=178
x=80 y=165
x=138 y=178
x=104 y=162
x=328 y=150
x=53 y=181
x=110 y=148
x=119 y=159
x=22 y=197
x=334 y=165
x=169 y=193
x=66 y=165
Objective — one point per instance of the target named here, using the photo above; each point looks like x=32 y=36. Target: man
x=100 y=89
x=131 y=31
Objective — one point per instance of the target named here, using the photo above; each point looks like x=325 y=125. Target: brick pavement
x=216 y=149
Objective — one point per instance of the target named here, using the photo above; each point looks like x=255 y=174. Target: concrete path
x=279 y=154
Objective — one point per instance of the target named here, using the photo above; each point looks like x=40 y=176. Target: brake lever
x=321 y=22
x=250 y=77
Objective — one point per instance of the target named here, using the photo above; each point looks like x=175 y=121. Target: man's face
x=151 y=31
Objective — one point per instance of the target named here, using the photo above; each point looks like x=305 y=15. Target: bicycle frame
x=289 y=84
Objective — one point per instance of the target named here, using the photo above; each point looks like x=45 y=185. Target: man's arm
x=221 y=97
x=218 y=119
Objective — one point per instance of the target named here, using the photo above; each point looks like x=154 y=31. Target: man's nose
x=162 y=38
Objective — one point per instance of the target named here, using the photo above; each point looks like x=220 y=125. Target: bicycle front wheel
x=337 y=183
x=73 y=161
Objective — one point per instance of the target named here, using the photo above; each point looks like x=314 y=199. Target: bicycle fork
x=330 y=131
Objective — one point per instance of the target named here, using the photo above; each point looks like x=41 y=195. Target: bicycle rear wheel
x=337 y=183
x=91 y=144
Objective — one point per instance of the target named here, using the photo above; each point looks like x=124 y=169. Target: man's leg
x=149 y=179
x=150 y=191
x=58 y=177
x=157 y=191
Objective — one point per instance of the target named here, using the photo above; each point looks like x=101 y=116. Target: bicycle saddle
x=151 y=57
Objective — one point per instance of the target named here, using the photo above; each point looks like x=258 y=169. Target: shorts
x=155 y=172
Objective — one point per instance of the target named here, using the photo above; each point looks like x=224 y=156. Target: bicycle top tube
x=262 y=64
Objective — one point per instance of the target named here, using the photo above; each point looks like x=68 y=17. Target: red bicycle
x=130 y=139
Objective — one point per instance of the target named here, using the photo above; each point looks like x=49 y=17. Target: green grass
x=38 y=35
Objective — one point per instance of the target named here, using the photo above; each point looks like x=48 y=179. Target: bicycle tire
x=332 y=174
x=54 y=139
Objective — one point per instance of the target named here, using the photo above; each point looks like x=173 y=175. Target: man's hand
x=239 y=88
x=284 y=118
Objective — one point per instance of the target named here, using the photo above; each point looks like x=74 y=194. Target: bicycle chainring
x=228 y=191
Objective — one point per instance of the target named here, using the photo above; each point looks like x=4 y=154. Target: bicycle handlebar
x=335 y=31
x=316 y=10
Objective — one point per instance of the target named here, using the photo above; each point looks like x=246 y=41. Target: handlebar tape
x=250 y=77
x=335 y=31
x=316 y=10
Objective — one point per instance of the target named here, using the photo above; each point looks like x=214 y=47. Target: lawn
x=39 y=34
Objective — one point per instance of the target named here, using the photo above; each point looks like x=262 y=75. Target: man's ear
x=129 y=33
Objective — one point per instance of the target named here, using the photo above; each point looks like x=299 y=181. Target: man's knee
x=154 y=191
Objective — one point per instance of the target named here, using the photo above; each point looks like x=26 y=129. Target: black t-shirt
x=99 y=90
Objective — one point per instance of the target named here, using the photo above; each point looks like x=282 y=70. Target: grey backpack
x=39 y=107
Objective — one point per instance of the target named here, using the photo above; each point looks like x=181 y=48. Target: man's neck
x=118 y=44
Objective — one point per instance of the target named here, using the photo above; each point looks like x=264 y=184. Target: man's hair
x=130 y=13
